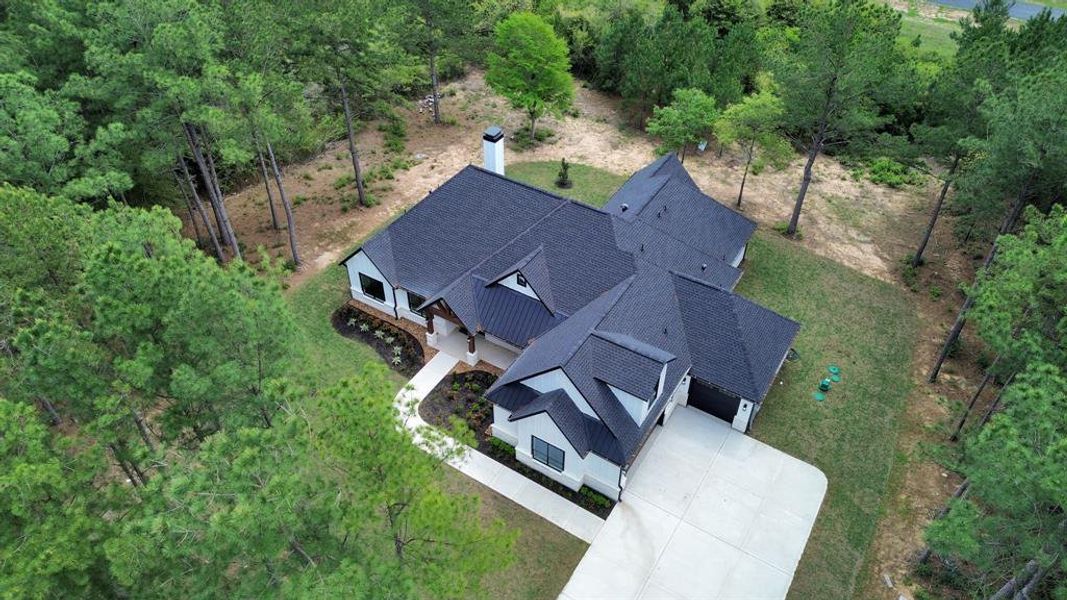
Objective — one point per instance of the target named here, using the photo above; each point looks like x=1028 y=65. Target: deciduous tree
x=531 y=68
x=753 y=125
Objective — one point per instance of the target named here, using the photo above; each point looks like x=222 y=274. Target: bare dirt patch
x=847 y=220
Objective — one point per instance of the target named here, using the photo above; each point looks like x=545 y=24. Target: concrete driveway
x=708 y=513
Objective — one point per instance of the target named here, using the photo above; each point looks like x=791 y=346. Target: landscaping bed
x=398 y=348
x=460 y=395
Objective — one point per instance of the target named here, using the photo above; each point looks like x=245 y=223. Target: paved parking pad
x=708 y=514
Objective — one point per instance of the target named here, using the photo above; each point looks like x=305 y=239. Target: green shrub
x=308 y=177
x=501 y=447
x=909 y=273
x=395 y=134
x=886 y=171
x=935 y=292
x=299 y=199
x=343 y=181
x=596 y=497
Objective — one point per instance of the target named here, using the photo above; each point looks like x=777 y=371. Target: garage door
x=713 y=400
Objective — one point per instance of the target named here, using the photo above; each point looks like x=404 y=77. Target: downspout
x=396 y=313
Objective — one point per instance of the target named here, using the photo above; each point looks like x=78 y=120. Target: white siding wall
x=557 y=379
x=592 y=471
x=637 y=407
x=679 y=397
x=740 y=256
x=359 y=263
x=406 y=311
x=502 y=428
x=512 y=282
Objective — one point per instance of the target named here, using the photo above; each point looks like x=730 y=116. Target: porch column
x=472 y=351
x=431 y=335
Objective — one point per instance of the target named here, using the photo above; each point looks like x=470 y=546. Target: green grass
x=591 y=185
x=545 y=555
x=326 y=357
x=868 y=328
x=935 y=33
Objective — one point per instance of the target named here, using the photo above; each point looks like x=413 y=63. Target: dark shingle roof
x=623 y=294
x=664 y=197
x=558 y=405
x=736 y=344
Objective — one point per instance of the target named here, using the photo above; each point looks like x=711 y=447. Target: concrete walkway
x=536 y=498
x=708 y=513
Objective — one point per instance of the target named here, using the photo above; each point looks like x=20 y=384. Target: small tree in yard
x=531 y=67
x=686 y=120
x=752 y=124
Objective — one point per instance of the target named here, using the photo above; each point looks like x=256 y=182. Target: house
x=617 y=315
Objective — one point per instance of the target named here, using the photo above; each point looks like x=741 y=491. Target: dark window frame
x=413 y=306
x=363 y=282
x=546 y=458
x=521 y=280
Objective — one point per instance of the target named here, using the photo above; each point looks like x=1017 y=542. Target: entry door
x=713 y=400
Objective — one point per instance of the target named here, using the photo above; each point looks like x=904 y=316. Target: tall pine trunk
x=266 y=183
x=1006 y=225
x=813 y=153
x=748 y=162
x=960 y=492
x=1010 y=586
x=974 y=399
x=218 y=190
x=290 y=222
x=200 y=209
x=996 y=403
x=918 y=258
x=213 y=190
x=189 y=207
x=435 y=91
x=682 y=157
x=356 y=169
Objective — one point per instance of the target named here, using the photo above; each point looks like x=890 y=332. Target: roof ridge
x=537 y=189
x=744 y=345
x=606 y=336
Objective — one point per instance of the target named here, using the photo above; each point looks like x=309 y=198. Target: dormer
x=529 y=276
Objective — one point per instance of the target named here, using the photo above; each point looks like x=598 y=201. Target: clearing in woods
x=850 y=221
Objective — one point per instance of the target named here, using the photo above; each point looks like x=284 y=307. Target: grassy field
x=545 y=555
x=934 y=33
x=591 y=185
x=868 y=328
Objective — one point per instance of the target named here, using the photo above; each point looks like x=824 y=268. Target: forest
x=165 y=429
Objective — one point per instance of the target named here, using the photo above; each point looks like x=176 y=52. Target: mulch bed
x=398 y=348
x=460 y=395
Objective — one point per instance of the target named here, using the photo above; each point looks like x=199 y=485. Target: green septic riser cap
x=834 y=369
x=835 y=378
x=819 y=396
x=824 y=385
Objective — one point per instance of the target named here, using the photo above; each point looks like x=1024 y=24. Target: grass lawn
x=935 y=33
x=591 y=185
x=327 y=357
x=868 y=328
x=545 y=555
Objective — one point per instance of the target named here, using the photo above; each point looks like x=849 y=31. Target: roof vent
x=625 y=207
x=642 y=247
x=704 y=267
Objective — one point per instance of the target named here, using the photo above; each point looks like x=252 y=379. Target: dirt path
x=854 y=222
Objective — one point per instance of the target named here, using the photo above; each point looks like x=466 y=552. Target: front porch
x=446 y=336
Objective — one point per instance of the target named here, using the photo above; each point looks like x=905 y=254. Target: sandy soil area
x=847 y=220
x=859 y=224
